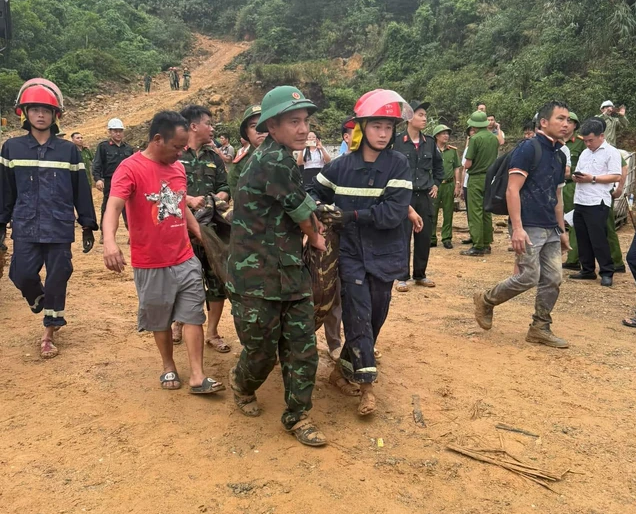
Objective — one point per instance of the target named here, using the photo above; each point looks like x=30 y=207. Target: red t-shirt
x=155 y=197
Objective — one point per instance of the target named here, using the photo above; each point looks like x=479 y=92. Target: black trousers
x=590 y=225
x=423 y=205
x=107 y=182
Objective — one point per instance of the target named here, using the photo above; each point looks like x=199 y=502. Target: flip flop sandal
x=307 y=433
x=369 y=403
x=247 y=405
x=218 y=344
x=170 y=376
x=630 y=322
x=208 y=386
x=346 y=387
x=47 y=349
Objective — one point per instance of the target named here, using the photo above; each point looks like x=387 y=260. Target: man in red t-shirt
x=152 y=186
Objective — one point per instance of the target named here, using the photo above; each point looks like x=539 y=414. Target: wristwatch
x=594 y=179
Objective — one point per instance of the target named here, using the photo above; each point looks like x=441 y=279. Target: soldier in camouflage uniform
x=205 y=172
x=249 y=133
x=269 y=284
x=186 y=79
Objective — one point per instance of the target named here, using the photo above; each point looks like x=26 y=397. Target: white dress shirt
x=605 y=160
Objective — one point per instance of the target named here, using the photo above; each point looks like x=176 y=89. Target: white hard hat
x=607 y=103
x=115 y=123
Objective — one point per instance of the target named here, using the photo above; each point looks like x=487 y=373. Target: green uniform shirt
x=266 y=242
x=576 y=147
x=237 y=168
x=483 y=149
x=611 y=126
x=87 y=159
x=205 y=172
x=451 y=162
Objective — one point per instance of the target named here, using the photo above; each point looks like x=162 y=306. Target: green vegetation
x=512 y=55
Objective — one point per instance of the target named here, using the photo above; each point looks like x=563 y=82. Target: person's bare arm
x=313 y=229
x=618 y=192
x=467 y=164
x=193 y=225
x=559 y=211
x=113 y=256
x=458 y=181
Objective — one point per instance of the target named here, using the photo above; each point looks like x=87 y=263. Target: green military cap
x=280 y=100
x=478 y=119
x=441 y=128
x=575 y=119
x=251 y=111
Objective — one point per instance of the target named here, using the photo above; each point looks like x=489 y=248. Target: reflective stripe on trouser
x=266 y=327
x=364 y=310
x=612 y=236
x=26 y=264
x=423 y=205
x=539 y=267
x=479 y=221
x=446 y=201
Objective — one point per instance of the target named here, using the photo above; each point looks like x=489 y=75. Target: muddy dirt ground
x=91 y=430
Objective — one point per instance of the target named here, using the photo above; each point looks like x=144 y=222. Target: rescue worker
x=427 y=172
x=575 y=144
x=186 y=79
x=206 y=175
x=147 y=82
x=32 y=167
x=86 y=153
x=614 y=119
x=449 y=189
x=371 y=188
x=176 y=79
x=269 y=284
x=108 y=156
x=171 y=78
x=483 y=149
x=254 y=137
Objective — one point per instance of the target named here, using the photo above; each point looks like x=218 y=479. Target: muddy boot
x=543 y=335
x=483 y=311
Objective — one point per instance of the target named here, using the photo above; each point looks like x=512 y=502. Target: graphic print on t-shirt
x=166 y=203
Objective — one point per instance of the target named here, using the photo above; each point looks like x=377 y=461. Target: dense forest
x=512 y=55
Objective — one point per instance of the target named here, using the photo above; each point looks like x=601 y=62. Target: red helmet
x=383 y=103
x=39 y=92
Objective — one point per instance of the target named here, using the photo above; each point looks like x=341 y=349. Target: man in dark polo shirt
x=535 y=205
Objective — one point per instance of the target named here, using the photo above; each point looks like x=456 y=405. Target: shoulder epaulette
x=579 y=136
x=451 y=147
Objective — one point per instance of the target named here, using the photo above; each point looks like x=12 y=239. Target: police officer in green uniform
x=483 y=148
x=269 y=284
x=206 y=175
x=576 y=145
x=248 y=133
x=86 y=153
x=448 y=189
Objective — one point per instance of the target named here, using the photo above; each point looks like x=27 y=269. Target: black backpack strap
x=538 y=152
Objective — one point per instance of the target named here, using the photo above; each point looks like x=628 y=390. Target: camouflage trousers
x=265 y=327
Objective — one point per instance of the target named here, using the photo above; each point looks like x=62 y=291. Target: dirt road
x=91 y=430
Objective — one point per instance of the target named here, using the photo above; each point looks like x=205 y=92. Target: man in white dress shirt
x=599 y=167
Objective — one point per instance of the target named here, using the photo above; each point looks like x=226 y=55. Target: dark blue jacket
x=40 y=186
x=380 y=192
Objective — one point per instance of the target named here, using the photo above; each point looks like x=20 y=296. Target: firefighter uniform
x=40 y=187
x=373 y=249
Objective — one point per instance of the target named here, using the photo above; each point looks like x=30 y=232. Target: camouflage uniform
x=269 y=284
x=206 y=175
x=238 y=165
x=186 y=80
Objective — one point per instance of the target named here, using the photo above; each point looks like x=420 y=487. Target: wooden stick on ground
x=418 y=417
x=502 y=426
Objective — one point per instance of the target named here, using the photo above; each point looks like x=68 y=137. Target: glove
x=88 y=240
x=3 y=234
x=335 y=216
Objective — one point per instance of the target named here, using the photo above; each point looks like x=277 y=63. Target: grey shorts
x=170 y=294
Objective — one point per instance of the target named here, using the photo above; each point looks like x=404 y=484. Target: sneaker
x=483 y=311
x=545 y=336
x=473 y=252
x=424 y=282
x=448 y=245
